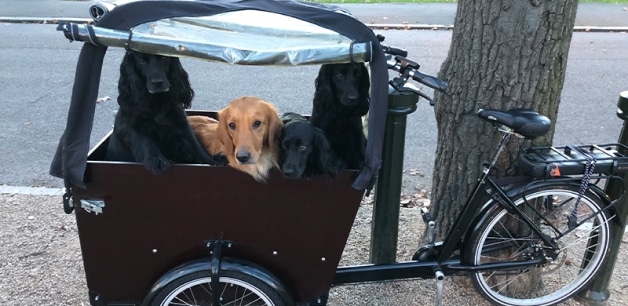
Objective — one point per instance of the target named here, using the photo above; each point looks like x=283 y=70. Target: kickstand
x=440 y=277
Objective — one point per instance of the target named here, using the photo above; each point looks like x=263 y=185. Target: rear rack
x=571 y=160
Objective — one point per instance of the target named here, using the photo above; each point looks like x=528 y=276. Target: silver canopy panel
x=244 y=37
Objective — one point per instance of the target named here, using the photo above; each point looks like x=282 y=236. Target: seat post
x=500 y=148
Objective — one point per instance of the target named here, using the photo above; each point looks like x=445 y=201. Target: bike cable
x=589 y=167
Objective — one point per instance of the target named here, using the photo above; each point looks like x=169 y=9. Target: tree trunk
x=503 y=54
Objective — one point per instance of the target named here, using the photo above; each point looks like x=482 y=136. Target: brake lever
x=406 y=63
x=400 y=85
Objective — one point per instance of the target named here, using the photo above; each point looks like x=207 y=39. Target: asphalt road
x=38 y=66
x=589 y=14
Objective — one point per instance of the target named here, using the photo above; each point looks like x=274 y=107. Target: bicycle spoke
x=582 y=239
x=232 y=292
x=508 y=237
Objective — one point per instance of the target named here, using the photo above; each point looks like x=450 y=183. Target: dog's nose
x=243 y=156
x=157 y=85
x=290 y=173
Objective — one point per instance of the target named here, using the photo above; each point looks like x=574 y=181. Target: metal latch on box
x=93 y=206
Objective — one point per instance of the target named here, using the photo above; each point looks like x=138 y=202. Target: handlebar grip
x=429 y=81
x=395 y=51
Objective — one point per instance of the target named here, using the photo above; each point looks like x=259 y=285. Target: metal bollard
x=385 y=223
x=597 y=292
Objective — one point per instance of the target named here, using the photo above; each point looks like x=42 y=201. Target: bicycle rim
x=505 y=238
x=232 y=292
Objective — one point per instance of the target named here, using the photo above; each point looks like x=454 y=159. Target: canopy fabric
x=70 y=160
x=290 y=42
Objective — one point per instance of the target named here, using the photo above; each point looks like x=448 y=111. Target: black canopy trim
x=70 y=159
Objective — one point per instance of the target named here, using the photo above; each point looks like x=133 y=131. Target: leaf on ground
x=421 y=194
x=426 y=203
x=407 y=203
x=412 y=172
x=103 y=99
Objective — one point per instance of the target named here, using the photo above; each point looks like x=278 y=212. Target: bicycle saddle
x=525 y=122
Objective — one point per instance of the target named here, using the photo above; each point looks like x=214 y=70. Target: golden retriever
x=246 y=132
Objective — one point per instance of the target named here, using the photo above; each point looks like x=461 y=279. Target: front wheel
x=579 y=227
x=235 y=288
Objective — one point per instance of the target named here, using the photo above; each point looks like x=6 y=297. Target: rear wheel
x=235 y=288
x=579 y=228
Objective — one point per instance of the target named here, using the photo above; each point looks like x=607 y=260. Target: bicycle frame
x=444 y=261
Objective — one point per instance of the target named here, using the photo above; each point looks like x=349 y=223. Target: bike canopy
x=245 y=32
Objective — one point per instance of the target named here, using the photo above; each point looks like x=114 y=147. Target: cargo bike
x=173 y=240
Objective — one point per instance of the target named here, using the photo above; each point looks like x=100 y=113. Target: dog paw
x=157 y=164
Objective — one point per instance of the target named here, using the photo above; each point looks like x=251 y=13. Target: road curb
x=30 y=190
x=44 y=20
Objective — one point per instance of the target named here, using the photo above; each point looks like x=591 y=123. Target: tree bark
x=504 y=54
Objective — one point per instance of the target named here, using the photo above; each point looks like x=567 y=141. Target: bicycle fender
x=514 y=190
x=205 y=264
x=596 y=190
x=620 y=221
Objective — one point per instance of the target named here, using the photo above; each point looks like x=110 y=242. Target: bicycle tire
x=501 y=237
x=236 y=288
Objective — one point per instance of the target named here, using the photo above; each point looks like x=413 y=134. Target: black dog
x=340 y=100
x=151 y=126
x=304 y=150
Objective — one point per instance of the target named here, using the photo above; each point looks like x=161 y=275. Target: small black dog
x=340 y=100
x=304 y=150
x=151 y=126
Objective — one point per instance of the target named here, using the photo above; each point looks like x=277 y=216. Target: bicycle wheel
x=579 y=228
x=235 y=288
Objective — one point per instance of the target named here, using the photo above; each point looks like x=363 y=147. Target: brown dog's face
x=250 y=125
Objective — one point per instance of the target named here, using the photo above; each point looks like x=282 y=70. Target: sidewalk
x=590 y=16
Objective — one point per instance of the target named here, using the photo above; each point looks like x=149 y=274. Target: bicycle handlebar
x=391 y=50
x=394 y=51
x=409 y=69
x=429 y=80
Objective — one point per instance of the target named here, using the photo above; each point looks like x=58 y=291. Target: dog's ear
x=364 y=90
x=323 y=160
x=222 y=132
x=365 y=79
x=323 y=93
x=275 y=126
x=130 y=84
x=179 y=80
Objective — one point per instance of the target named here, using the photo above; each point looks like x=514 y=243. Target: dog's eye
x=140 y=60
x=232 y=126
x=256 y=124
x=340 y=76
x=302 y=148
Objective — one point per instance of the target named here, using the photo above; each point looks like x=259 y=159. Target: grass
x=438 y=1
